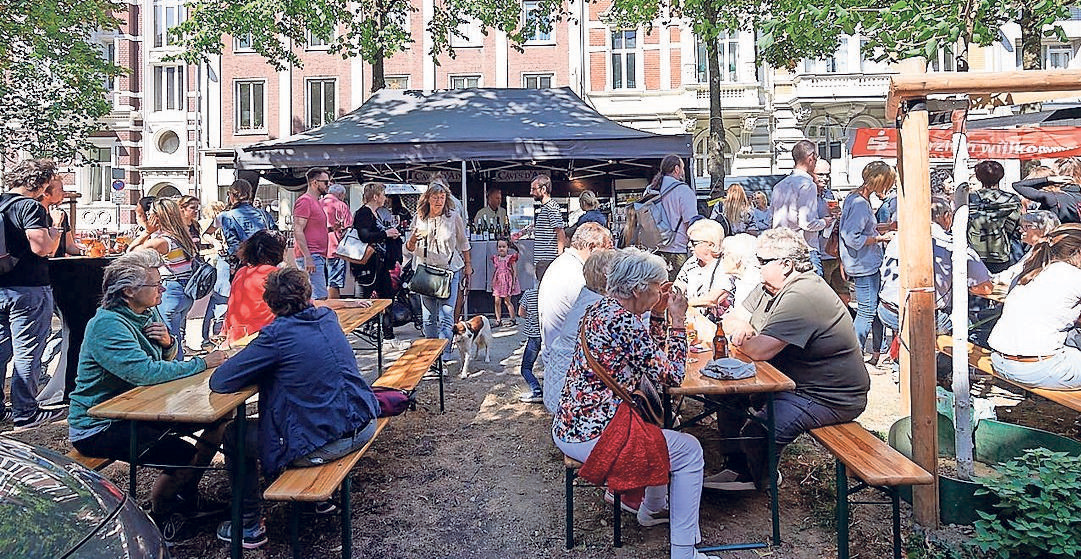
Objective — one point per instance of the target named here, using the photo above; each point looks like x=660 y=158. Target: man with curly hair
x=26 y=300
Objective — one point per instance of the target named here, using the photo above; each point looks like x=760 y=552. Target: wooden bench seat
x=876 y=464
x=96 y=464
x=422 y=356
x=979 y=358
x=318 y=483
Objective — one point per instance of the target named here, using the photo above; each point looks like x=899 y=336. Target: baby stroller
x=405 y=307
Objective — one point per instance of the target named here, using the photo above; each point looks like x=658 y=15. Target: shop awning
x=483 y=124
x=988 y=143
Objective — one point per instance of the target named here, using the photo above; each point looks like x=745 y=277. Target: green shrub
x=1038 y=510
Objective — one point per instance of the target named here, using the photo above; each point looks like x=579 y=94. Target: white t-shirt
x=699 y=280
x=562 y=350
x=1037 y=315
x=558 y=291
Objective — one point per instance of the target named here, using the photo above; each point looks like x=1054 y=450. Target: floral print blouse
x=627 y=348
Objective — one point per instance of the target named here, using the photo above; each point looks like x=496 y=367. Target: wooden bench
x=318 y=483
x=571 y=467
x=979 y=358
x=877 y=465
x=96 y=464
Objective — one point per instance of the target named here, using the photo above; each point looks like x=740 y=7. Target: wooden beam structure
x=907 y=104
x=905 y=86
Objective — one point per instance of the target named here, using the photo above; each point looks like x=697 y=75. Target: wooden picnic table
x=351 y=316
x=711 y=392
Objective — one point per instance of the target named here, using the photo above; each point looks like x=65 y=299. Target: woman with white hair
x=738 y=260
x=628 y=348
x=703 y=280
x=1036 y=225
x=439 y=239
x=127 y=344
x=795 y=321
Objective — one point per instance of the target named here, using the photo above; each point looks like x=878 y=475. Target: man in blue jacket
x=314 y=407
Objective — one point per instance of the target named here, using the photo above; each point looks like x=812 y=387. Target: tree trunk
x=715 y=145
x=378 y=73
x=1031 y=47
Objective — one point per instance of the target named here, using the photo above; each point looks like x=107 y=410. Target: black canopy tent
x=473 y=130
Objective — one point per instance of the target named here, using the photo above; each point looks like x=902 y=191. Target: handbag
x=645 y=400
x=202 y=280
x=431 y=281
x=352 y=249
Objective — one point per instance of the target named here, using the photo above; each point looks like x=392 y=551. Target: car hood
x=49 y=505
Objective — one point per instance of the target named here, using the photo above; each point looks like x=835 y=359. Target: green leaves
x=53 y=78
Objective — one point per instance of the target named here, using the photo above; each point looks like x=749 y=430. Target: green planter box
x=995 y=442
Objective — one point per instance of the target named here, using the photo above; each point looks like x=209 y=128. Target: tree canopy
x=53 y=78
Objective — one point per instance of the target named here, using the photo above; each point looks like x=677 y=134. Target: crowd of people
x=799 y=278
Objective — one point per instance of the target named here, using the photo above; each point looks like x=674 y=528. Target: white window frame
x=477 y=77
x=701 y=156
x=473 y=36
x=538 y=76
x=108 y=54
x=728 y=50
x=943 y=60
x=405 y=81
x=237 y=128
x=238 y=45
x=315 y=43
x=160 y=23
x=636 y=63
x=837 y=63
x=1057 y=51
x=311 y=111
x=101 y=169
x=539 y=37
x=166 y=98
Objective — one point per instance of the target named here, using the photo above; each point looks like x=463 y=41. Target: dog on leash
x=471 y=336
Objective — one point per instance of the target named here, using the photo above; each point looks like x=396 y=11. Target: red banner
x=1014 y=143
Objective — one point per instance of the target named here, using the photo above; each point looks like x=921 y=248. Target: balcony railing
x=835 y=86
x=732 y=94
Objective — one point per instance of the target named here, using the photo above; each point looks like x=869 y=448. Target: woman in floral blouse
x=630 y=347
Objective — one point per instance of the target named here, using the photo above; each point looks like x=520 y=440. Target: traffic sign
x=118 y=185
x=118 y=197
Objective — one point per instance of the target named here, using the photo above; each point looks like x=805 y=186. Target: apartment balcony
x=812 y=88
x=733 y=95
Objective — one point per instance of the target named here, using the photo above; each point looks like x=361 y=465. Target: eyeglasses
x=327 y=181
x=154 y=285
x=764 y=261
x=696 y=242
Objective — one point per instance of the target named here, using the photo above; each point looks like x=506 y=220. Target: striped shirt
x=176 y=262
x=547 y=219
x=531 y=327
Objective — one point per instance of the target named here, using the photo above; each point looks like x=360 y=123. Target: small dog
x=471 y=336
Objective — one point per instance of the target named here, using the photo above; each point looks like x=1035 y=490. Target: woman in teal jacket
x=128 y=345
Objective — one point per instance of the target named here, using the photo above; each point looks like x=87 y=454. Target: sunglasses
x=764 y=261
x=696 y=242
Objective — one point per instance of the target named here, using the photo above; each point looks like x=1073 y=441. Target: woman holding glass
x=374 y=276
x=439 y=239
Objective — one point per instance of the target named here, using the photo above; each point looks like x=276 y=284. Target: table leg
x=133 y=455
x=667 y=407
x=771 y=440
x=379 y=342
x=842 y=511
x=236 y=549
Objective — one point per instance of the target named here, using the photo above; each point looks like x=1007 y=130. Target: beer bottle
x=720 y=343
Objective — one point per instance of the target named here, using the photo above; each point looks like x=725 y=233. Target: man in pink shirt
x=339 y=219
x=310 y=232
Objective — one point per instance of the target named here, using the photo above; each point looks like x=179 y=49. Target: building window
x=101 y=173
x=728 y=51
x=827 y=136
x=317 y=43
x=836 y=64
x=169 y=88
x=243 y=43
x=536 y=81
x=869 y=65
x=396 y=82
x=167 y=15
x=1057 y=56
x=533 y=16
x=942 y=62
x=624 y=48
x=701 y=157
x=108 y=54
x=469 y=35
x=464 y=82
x=322 y=102
x=250 y=106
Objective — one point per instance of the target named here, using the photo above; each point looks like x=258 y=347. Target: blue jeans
x=889 y=318
x=174 y=308
x=25 y=317
x=318 y=277
x=215 y=315
x=529 y=358
x=867 y=288
x=438 y=315
x=816 y=261
x=336 y=273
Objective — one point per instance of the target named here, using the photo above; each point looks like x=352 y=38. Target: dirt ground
x=484 y=480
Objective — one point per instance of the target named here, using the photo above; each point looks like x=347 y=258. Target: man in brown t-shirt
x=796 y=322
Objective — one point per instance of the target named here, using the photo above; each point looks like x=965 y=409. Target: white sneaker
x=651 y=518
x=728 y=480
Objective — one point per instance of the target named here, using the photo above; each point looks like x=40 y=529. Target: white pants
x=685 y=454
x=1061 y=371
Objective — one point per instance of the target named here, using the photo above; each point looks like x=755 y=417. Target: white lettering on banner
x=426 y=176
x=514 y=176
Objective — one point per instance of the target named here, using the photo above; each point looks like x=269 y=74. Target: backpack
x=7 y=260
x=992 y=224
x=648 y=224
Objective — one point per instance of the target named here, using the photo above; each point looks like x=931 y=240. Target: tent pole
x=917 y=306
x=465 y=217
x=962 y=392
